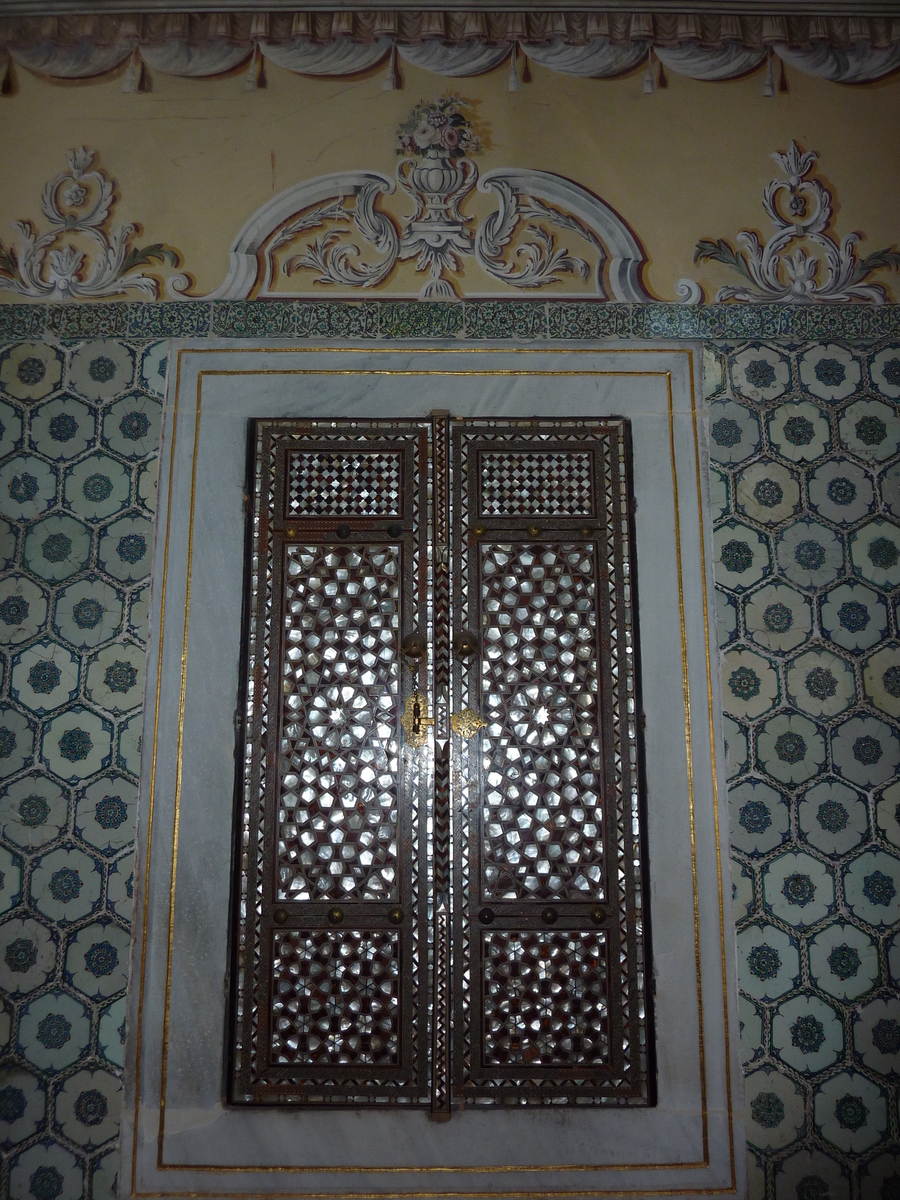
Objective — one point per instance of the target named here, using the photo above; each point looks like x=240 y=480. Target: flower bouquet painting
x=438 y=129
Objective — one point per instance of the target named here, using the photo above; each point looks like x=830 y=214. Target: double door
x=439 y=880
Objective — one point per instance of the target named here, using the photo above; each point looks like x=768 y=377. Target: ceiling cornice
x=823 y=8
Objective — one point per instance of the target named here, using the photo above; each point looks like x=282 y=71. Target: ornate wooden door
x=439 y=875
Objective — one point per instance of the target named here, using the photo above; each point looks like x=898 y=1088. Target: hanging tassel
x=782 y=82
x=6 y=83
x=512 y=82
x=649 y=83
x=769 y=85
x=662 y=81
x=134 y=80
x=392 y=80
x=251 y=79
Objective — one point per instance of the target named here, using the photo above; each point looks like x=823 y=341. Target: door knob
x=465 y=644
x=414 y=648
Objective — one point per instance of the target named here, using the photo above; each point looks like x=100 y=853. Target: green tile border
x=497 y=320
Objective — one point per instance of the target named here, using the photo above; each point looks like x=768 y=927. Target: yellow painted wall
x=193 y=159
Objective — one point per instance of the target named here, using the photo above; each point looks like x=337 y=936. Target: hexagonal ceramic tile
x=733 y=432
x=120 y=892
x=866 y=751
x=881 y=679
x=760 y=373
x=884 y=369
x=22 y=1105
x=842 y=492
x=16 y=741
x=105 y=812
x=57 y=547
x=775 y=1109
x=76 y=744
x=767 y=492
x=10 y=429
x=30 y=371
x=851 y=1112
x=807 y=1034
x=742 y=890
x=820 y=683
x=742 y=556
x=799 y=431
x=97 y=959
x=875 y=553
x=23 y=609
x=44 y=676
x=809 y=554
x=870 y=430
x=100 y=370
x=830 y=372
x=125 y=548
x=890 y=489
x=768 y=961
x=887 y=814
x=777 y=618
x=66 y=885
x=131 y=426
x=63 y=428
x=54 y=1031
x=148 y=480
x=47 y=1169
x=115 y=677
x=28 y=950
x=872 y=887
x=876 y=1035
x=87 y=1107
x=10 y=880
x=27 y=487
x=111 y=1035
x=760 y=818
x=97 y=487
x=726 y=618
x=153 y=369
x=88 y=612
x=810 y=1172
x=749 y=684
x=798 y=889
x=832 y=817
x=130 y=735
x=843 y=961
x=790 y=748
x=854 y=617
x=33 y=811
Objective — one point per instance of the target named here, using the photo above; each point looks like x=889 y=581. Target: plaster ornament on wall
x=516 y=244
x=820 y=269
x=79 y=256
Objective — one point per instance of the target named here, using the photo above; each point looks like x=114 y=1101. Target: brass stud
x=534 y=531
x=279 y=916
x=587 y=531
x=335 y=915
x=395 y=529
x=597 y=915
x=343 y=531
x=549 y=915
x=478 y=530
x=486 y=916
x=395 y=916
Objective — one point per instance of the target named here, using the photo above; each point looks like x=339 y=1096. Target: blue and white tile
x=33 y=811
x=23 y=609
x=10 y=429
x=96 y=960
x=768 y=962
x=105 y=813
x=799 y=431
x=851 y=1112
x=790 y=748
x=830 y=372
x=807 y=1034
x=854 y=617
x=76 y=744
x=809 y=554
x=101 y=370
x=798 y=889
x=775 y=1109
x=875 y=553
x=760 y=373
x=820 y=683
x=833 y=817
x=97 y=487
x=66 y=885
x=876 y=1035
x=843 y=961
x=45 y=676
x=884 y=370
x=872 y=888
x=887 y=814
x=842 y=492
x=881 y=679
x=870 y=429
x=88 y=612
x=10 y=880
x=28 y=950
x=778 y=618
x=866 y=751
x=153 y=369
x=22 y=1104
x=27 y=487
x=47 y=1170
x=811 y=1175
x=760 y=817
x=115 y=677
x=30 y=371
x=125 y=549
x=86 y=1110
x=131 y=426
x=741 y=556
x=54 y=1031
x=733 y=432
x=63 y=428
x=120 y=890
x=56 y=548
x=750 y=685
x=111 y=1034
x=16 y=741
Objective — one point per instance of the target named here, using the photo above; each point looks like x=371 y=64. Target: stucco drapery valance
x=455 y=44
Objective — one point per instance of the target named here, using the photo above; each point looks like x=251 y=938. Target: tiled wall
x=806 y=492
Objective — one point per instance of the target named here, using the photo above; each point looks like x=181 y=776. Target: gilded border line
x=452 y=350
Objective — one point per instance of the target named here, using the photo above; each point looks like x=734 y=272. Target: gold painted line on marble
x=715 y=781
x=688 y=745
x=453 y=350
x=178 y=765
x=183 y=1195
x=150 y=801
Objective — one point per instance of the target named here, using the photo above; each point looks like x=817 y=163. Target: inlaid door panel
x=439 y=889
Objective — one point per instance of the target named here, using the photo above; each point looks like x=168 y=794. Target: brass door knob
x=414 y=648
x=465 y=644
x=395 y=916
x=279 y=916
x=335 y=915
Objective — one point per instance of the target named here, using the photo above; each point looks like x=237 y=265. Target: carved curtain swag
x=439 y=864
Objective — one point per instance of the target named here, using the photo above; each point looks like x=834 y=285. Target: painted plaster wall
x=194 y=159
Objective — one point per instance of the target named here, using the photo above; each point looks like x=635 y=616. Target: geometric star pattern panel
x=807 y=511
x=536 y=485
x=326 y=484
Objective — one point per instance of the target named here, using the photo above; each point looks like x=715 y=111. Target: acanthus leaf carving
x=334 y=262
x=79 y=202
x=802 y=262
